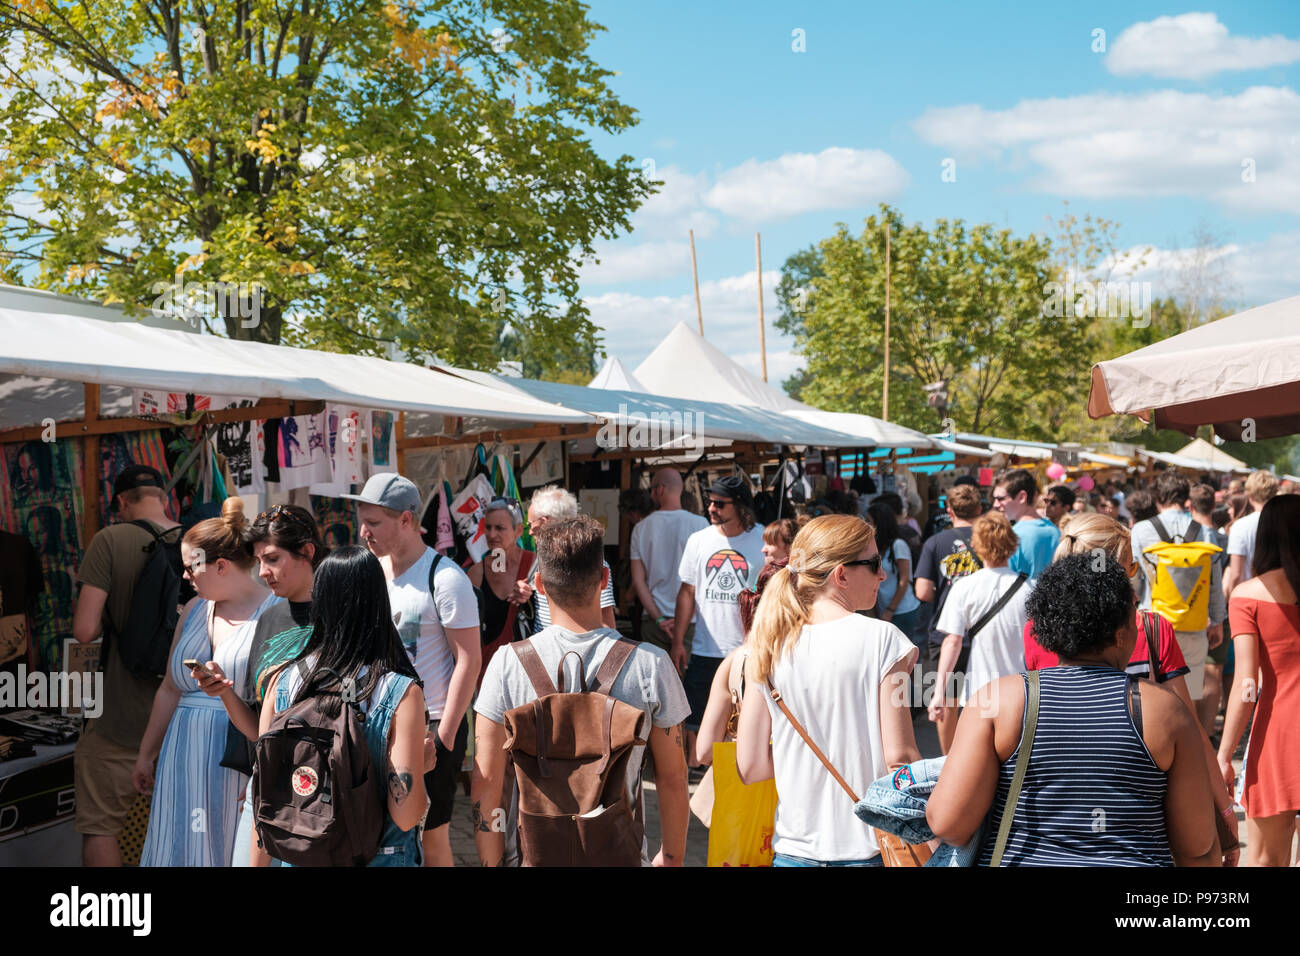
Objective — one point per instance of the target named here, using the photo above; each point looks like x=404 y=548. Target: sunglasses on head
x=284 y=511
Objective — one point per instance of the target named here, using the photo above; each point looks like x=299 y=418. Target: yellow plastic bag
x=744 y=815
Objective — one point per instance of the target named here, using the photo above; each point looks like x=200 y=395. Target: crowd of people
x=1075 y=652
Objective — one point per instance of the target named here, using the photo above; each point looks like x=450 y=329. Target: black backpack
x=145 y=643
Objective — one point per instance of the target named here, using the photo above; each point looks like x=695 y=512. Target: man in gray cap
x=717 y=564
x=436 y=614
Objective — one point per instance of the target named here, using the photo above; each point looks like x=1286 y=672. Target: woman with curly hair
x=1114 y=773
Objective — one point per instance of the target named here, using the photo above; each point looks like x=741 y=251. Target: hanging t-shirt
x=831 y=680
x=889 y=587
x=658 y=542
x=383 y=447
x=304 y=451
x=945 y=558
x=1038 y=540
x=421 y=619
x=999 y=648
x=719 y=568
x=243 y=446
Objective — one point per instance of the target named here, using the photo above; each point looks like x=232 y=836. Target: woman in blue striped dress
x=195 y=800
x=1116 y=771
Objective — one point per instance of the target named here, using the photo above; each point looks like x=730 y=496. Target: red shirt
x=1172 y=662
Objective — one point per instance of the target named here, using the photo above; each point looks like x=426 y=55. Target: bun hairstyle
x=223 y=537
x=821 y=546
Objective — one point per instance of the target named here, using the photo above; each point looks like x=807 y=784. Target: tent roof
x=717 y=422
x=615 y=375
x=1195 y=464
x=45 y=351
x=1243 y=366
x=1200 y=448
x=686 y=365
x=884 y=434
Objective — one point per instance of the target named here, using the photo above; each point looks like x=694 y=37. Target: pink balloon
x=1086 y=483
x=1056 y=471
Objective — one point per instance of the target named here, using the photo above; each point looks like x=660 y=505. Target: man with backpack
x=575 y=706
x=1179 y=566
x=118 y=558
x=436 y=613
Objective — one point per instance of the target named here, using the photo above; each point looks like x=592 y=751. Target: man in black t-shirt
x=944 y=558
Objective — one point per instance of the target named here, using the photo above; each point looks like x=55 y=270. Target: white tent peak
x=686 y=365
x=614 y=374
x=1200 y=448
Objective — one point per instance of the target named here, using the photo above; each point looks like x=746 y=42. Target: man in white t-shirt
x=440 y=631
x=717 y=564
x=1261 y=486
x=658 y=541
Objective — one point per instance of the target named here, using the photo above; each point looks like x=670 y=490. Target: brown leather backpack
x=570 y=752
x=316 y=796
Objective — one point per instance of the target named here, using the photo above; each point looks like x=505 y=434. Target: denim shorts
x=782 y=859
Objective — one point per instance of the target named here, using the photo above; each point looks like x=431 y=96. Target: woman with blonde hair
x=195 y=799
x=1103 y=536
x=987 y=609
x=842 y=676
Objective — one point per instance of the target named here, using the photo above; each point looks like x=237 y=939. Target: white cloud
x=1193 y=46
x=1252 y=273
x=805 y=182
x=624 y=262
x=676 y=207
x=1163 y=143
x=634 y=325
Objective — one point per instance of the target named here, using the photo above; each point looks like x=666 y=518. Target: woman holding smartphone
x=196 y=800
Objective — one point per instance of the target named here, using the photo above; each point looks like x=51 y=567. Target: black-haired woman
x=354 y=644
x=896 y=602
x=1265 y=621
x=1105 y=785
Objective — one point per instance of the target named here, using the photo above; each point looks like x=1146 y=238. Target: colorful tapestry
x=337 y=518
x=41 y=500
x=130 y=448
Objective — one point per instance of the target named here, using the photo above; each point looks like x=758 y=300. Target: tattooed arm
x=674 y=801
x=407 y=801
x=485 y=790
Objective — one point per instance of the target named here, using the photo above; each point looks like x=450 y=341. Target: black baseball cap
x=136 y=476
x=966 y=480
x=734 y=487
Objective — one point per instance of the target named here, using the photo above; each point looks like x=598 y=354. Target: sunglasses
x=1051 y=502
x=997 y=498
x=284 y=511
x=715 y=503
x=871 y=563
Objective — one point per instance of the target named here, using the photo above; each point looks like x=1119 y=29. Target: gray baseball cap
x=390 y=490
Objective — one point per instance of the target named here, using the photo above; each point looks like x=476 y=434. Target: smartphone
x=191 y=664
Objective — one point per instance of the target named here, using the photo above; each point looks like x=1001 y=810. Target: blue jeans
x=782 y=860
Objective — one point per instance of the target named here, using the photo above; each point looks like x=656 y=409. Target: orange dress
x=1273 y=757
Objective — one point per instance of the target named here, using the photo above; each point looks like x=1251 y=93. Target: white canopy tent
x=614 y=374
x=1240 y=374
x=686 y=365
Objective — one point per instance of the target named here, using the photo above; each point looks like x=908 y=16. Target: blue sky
x=750 y=135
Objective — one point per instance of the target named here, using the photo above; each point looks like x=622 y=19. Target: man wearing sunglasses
x=1014 y=493
x=718 y=563
x=1058 y=500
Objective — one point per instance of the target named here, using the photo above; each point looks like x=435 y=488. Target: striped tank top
x=1092 y=795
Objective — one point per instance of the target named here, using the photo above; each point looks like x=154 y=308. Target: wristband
x=661 y=618
x=1228 y=813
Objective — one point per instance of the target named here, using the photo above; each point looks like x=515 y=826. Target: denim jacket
x=896 y=804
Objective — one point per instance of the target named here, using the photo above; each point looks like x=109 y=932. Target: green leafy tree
x=410 y=174
x=966 y=310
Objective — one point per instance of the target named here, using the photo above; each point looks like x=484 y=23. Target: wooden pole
x=762 y=333
x=399 y=429
x=695 y=277
x=90 y=469
x=884 y=413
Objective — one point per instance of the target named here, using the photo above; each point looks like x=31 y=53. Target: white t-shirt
x=719 y=568
x=421 y=619
x=658 y=541
x=1241 y=540
x=998 y=650
x=831 y=683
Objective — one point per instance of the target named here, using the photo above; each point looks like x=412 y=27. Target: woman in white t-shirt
x=843 y=677
x=998 y=649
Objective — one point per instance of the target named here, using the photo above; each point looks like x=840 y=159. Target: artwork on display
x=345 y=425
x=117 y=452
x=546 y=468
x=242 y=445
x=383 y=447
x=337 y=520
x=304 y=451
x=80 y=659
x=602 y=504
x=41 y=501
